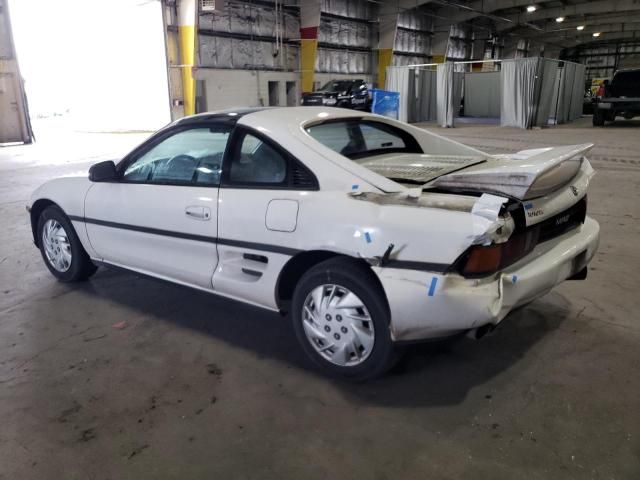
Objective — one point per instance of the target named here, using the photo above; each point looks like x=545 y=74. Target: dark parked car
x=619 y=97
x=341 y=93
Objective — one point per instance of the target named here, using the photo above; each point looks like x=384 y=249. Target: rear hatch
x=544 y=181
x=547 y=197
x=625 y=84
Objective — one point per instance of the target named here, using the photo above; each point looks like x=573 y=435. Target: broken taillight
x=481 y=260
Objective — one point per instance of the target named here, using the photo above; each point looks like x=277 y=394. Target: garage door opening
x=91 y=65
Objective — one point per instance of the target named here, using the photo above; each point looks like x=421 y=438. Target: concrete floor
x=199 y=387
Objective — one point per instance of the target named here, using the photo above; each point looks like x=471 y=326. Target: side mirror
x=103 y=172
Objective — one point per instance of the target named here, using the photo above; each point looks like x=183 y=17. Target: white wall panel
x=226 y=88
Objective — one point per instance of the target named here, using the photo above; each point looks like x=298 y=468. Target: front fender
x=68 y=193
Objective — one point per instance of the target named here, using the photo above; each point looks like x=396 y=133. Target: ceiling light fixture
x=531 y=8
x=580 y=27
x=560 y=19
x=596 y=34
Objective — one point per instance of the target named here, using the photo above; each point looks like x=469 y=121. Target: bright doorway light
x=596 y=34
x=92 y=64
x=560 y=19
x=580 y=27
x=531 y=8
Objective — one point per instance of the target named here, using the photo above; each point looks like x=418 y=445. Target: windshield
x=336 y=86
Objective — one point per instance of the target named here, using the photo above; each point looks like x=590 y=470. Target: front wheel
x=61 y=249
x=341 y=320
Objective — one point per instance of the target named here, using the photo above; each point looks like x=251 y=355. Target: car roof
x=229 y=114
x=289 y=117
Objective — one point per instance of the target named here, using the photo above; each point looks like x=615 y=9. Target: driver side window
x=189 y=157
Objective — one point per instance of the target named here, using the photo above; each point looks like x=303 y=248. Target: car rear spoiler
x=522 y=176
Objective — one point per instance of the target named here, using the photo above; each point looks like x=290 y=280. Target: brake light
x=485 y=260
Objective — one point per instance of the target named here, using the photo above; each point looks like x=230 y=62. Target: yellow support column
x=385 y=56
x=309 y=26
x=308 y=52
x=187 y=39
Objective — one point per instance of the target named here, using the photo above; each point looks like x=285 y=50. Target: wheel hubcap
x=57 y=247
x=338 y=325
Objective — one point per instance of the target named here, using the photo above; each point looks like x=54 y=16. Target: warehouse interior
x=125 y=376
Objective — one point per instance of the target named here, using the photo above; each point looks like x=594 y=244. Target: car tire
x=349 y=337
x=61 y=250
x=598 y=118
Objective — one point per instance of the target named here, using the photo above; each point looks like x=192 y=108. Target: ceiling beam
x=632 y=23
x=461 y=11
x=572 y=11
x=589 y=21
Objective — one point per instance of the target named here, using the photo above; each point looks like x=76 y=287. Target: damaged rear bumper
x=430 y=305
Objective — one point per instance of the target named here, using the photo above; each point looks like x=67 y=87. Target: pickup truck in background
x=618 y=97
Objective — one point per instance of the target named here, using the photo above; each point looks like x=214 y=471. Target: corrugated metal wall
x=346 y=38
x=460 y=43
x=242 y=36
x=413 y=39
x=602 y=60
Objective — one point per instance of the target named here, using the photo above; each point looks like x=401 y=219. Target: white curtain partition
x=577 y=98
x=482 y=94
x=397 y=80
x=570 y=92
x=518 y=92
x=445 y=89
x=427 y=95
x=531 y=90
x=546 y=94
x=565 y=92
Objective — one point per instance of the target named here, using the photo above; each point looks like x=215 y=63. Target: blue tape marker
x=367 y=237
x=528 y=206
x=432 y=287
x=354 y=186
x=514 y=279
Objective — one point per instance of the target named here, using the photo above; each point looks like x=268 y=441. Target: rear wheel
x=341 y=320
x=60 y=247
x=598 y=118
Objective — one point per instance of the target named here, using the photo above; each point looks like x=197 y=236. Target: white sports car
x=369 y=231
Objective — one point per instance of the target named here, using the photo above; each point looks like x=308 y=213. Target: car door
x=160 y=217
x=262 y=195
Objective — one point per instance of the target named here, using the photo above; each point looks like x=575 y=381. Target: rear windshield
x=626 y=84
x=356 y=138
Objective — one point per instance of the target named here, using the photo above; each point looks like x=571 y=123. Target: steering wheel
x=183 y=159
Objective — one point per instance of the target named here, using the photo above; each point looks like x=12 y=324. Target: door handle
x=198 y=212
